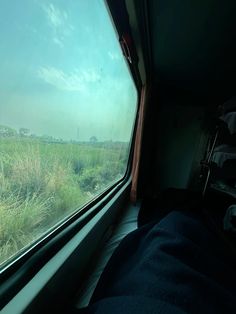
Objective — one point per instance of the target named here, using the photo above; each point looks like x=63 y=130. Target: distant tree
x=93 y=139
x=24 y=132
x=6 y=131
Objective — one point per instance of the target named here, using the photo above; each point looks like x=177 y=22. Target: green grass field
x=41 y=183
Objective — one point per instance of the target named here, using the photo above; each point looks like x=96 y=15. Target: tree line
x=6 y=131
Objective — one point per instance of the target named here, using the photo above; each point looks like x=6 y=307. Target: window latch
x=124 y=42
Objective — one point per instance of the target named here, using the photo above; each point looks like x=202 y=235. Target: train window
x=67 y=110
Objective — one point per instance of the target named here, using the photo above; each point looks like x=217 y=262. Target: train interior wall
x=174 y=143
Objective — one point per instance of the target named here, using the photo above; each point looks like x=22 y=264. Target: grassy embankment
x=41 y=183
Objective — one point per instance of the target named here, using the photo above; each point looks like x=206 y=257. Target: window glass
x=67 y=110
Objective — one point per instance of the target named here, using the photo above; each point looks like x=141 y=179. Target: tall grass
x=42 y=183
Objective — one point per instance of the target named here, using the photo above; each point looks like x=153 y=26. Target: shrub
x=78 y=165
x=90 y=180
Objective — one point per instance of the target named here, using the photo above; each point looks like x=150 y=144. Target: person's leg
x=178 y=265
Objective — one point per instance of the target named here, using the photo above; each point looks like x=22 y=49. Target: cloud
x=58 y=42
x=113 y=55
x=90 y=76
x=58 y=21
x=55 y=16
x=74 y=81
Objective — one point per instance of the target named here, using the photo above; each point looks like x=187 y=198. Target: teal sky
x=62 y=72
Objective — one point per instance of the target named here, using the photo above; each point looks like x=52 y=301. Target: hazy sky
x=62 y=72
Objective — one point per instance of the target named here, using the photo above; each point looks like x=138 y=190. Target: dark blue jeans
x=177 y=265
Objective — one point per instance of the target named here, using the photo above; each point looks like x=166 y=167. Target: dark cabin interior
x=192 y=68
x=184 y=53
